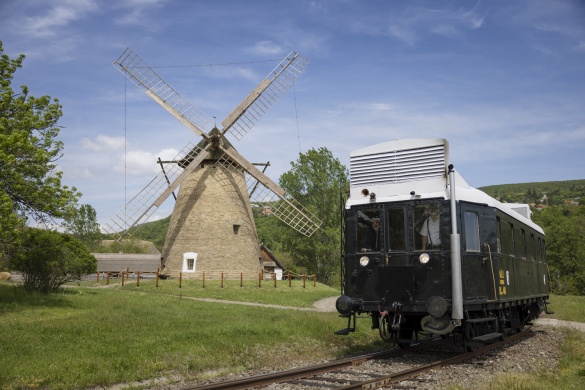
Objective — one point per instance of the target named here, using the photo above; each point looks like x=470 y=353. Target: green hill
x=551 y=193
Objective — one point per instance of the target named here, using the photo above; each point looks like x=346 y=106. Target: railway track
x=348 y=373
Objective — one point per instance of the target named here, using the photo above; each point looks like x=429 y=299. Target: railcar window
x=498 y=235
x=396 y=232
x=427 y=227
x=369 y=230
x=512 y=241
x=522 y=243
x=471 y=226
x=530 y=248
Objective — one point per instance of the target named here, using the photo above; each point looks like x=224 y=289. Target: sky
x=503 y=81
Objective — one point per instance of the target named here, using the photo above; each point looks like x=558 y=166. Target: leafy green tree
x=317 y=180
x=82 y=224
x=565 y=247
x=48 y=259
x=30 y=184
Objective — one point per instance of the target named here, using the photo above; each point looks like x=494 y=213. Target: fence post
x=203 y=279
x=304 y=280
x=241 y=279
x=97 y=277
x=260 y=279
x=274 y=278
x=157 y=276
x=289 y=279
x=315 y=280
x=222 y=280
x=181 y=279
x=122 y=278
x=138 y=279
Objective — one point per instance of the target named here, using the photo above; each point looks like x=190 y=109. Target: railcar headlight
x=424 y=258
x=364 y=260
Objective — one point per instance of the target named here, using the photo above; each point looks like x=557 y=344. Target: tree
x=317 y=180
x=30 y=184
x=48 y=259
x=565 y=247
x=82 y=224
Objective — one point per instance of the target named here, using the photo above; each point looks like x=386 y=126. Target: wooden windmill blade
x=259 y=101
x=141 y=206
x=134 y=68
x=282 y=205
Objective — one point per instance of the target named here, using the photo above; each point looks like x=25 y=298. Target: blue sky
x=503 y=81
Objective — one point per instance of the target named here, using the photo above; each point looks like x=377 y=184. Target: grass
x=86 y=337
x=568 y=307
x=282 y=294
x=90 y=337
x=570 y=373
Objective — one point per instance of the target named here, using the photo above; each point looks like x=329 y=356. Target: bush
x=48 y=259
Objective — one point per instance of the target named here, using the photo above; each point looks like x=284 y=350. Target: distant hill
x=154 y=232
x=550 y=193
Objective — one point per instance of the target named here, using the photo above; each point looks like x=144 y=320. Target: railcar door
x=476 y=266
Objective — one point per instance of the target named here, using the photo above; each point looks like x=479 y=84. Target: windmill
x=212 y=225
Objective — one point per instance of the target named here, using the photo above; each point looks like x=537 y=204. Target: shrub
x=48 y=259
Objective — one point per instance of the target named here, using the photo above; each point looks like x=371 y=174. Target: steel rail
x=304 y=372
x=414 y=372
x=337 y=365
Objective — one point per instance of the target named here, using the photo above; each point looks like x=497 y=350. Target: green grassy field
x=98 y=336
x=86 y=336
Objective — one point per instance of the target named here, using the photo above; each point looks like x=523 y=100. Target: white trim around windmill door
x=189 y=262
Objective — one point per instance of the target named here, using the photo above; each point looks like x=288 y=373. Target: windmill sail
x=134 y=68
x=281 y=205
x=237 y=123
x=272 y=88
x=141 y=206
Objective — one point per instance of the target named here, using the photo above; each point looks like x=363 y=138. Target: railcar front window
x=396 y=232
x=369 y=230
x=471 y=225
x=427 y=227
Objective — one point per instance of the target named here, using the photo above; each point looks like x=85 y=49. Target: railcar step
x=345 y=332
x=479 y=320
x=488 y=337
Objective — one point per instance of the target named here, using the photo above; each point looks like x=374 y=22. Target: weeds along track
x=370 y=371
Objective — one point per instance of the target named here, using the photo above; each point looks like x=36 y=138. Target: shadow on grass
x=14 y=297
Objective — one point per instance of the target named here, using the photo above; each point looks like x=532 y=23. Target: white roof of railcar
x=415 y=169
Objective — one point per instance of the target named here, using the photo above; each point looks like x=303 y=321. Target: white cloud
x=266 y=48
x=103 y=143
x=61 y=14
x=140 y=162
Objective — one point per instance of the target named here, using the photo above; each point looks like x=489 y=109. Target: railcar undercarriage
x=482 y=324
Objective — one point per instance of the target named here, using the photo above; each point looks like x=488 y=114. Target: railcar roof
x=415 y=169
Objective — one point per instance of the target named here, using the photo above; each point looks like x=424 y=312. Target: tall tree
x=82 y=224
x=317 y=180
x=30 y=184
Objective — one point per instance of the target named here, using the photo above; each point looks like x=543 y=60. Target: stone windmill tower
x=212 y=226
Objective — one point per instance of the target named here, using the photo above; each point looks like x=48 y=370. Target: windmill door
x=475 y=265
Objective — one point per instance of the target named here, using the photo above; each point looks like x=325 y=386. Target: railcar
x=426 y=255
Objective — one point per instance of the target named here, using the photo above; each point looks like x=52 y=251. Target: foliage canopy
x=30 y=184
x=317 y=180
x=48 y=259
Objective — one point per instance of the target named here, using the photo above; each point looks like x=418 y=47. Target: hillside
x=551 y=193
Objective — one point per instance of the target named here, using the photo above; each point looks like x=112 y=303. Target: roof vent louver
x=397 y=166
